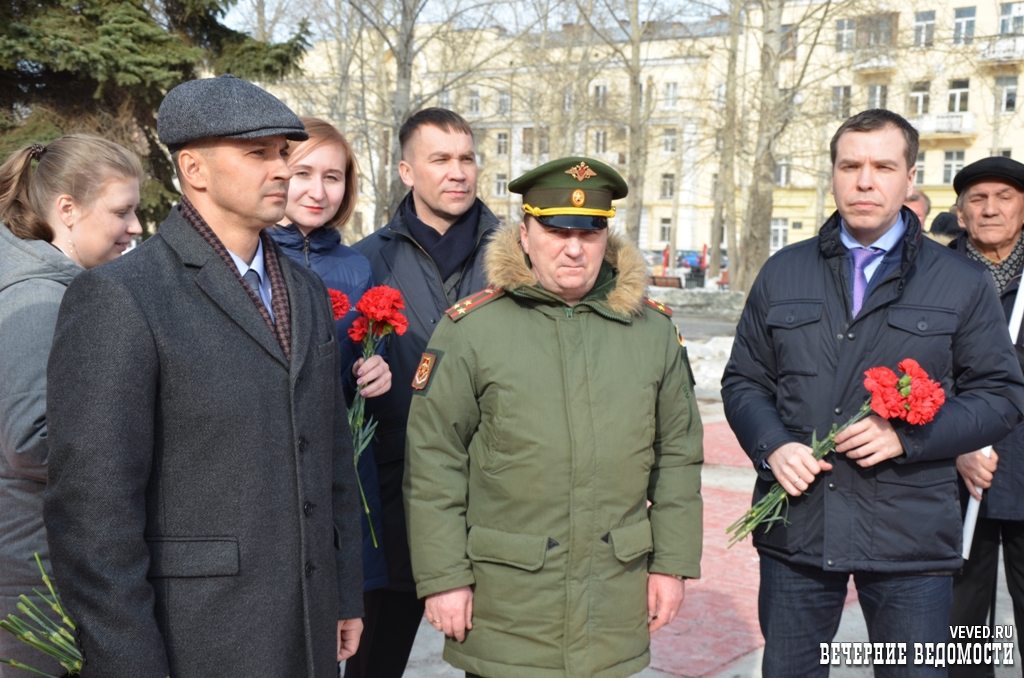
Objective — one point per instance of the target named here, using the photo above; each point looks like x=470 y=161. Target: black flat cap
x=224 y=107
x=997 y=167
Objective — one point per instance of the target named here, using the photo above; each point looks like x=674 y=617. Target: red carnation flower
x=339 y=303
x=359 y=328
x=912 y=369
x=886 y=400
x=379 y=302
x=399 y=322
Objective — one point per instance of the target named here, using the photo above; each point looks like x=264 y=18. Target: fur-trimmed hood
x=505 y=266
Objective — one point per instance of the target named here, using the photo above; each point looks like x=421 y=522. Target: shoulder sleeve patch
x=471 y=303
x=425 y=371
x=658 y=306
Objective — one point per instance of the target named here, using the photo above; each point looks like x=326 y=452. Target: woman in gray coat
x=64 y=207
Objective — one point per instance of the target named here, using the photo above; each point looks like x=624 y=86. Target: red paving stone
x=718 y=621
x=721 y=447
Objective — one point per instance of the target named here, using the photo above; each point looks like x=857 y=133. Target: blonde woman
x=64 y=208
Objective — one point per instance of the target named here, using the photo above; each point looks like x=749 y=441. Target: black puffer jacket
x=398 y=261
x=798 y=365
x=1003 y=500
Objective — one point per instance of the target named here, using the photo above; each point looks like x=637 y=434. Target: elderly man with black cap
x=202 y=504
x=548 y=410
x=990 y=198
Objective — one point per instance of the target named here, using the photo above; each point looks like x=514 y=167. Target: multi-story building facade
x=951 y=68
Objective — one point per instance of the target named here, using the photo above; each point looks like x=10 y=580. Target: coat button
x=922 y=326
x=851 y=336
x=831 y=563
x=839 y=336
x=310 y=567
x=303 y=444
x=790 y=319
x=831 y=486
x=307 y=508
x=838 y=410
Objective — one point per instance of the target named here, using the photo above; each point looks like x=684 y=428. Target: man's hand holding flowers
x=795 y=467
x=869 y=442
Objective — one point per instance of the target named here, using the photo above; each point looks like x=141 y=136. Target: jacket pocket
x=632 y=541
x=915 y=515
x=928 y=336
x=793 y=325
x=523 y=551
x=193 y=556
x=327 y=349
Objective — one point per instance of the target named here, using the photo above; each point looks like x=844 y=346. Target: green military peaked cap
x=571 y=193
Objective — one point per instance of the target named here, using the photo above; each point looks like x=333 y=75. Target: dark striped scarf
x=281 y=323
x=1004 y=271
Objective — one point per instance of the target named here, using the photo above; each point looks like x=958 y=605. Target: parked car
x=690 y=258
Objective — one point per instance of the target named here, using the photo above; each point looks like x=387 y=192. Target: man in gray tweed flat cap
x=202 y=503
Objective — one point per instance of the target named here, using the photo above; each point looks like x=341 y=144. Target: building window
x=600 y=141
x=963 y=26
x=919 y=179
x=780 y=235
x=876 y=30
x=504 y=102
x=444 y=99
x=958 y=90
x=668 y=186
x=669 y=136
x=1011 y=18
x=502 y=143
x=501 y=185
x=924 y=29
x=541 y=136
x=666 y=230
x=953 y=163
x=600 y=96
x=1004 y=153
x=846 y=31
x=1006 y=93
x=797 y=225
x=841 y=102
x=788 y=36
x=474 y=101
x=671 y=95
x=567 y=99
x=877 y=96
x=782 y=172
x=919 y=98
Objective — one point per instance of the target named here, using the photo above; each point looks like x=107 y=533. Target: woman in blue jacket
x=321 y=198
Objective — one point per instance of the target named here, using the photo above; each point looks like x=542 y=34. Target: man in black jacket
x=431 y=251
x=990 y=197
x=869 y=291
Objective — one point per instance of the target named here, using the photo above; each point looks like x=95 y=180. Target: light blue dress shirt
x=888 y=240
x=257 y=265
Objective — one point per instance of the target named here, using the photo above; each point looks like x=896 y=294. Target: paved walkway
x=716 y=634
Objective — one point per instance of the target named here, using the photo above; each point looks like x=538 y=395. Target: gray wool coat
x=33 y=277
x=202 y=503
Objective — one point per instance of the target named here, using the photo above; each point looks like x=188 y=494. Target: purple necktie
x=862 y=257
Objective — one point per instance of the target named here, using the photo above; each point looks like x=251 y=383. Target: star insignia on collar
x=581 y=172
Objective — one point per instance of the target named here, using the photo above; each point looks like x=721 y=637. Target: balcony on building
x=868 y=62
x=945 y=125
x=1005 y=49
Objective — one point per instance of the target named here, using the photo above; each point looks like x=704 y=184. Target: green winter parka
x=537 y=436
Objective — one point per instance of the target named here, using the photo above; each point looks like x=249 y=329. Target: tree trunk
x=405 y=52
x=637 y=161
x=725 y=192
x=757 y=234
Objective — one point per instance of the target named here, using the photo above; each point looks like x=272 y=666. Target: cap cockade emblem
x=581 y=172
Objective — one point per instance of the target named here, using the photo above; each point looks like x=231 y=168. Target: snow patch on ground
x=708 y=361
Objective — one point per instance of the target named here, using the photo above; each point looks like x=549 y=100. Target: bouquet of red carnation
x=914 y=398
x=379 y=315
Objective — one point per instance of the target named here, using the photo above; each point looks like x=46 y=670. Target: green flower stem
x=362 y=431
x=770 y=508
x=45 y=635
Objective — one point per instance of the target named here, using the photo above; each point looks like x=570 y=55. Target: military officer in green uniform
x=548 y=410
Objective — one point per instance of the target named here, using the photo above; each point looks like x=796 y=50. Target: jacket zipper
x=305 y=249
